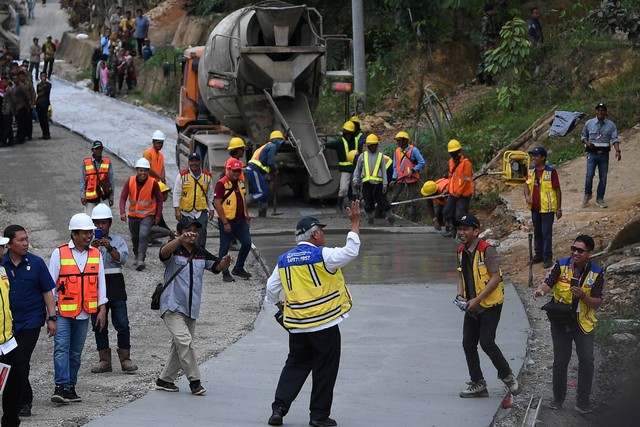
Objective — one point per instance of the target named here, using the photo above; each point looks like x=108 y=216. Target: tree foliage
x=612 y=16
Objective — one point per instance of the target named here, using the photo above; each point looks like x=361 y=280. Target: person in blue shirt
x=407 y=162
x=142 y=29
x=31 y=301
x=261 y=170
x=535 y=29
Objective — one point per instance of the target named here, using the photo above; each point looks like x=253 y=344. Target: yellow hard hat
x=429 y=188
x=351 y=155
x=276 y=134
x=402 y=134
x=163 y=187
x=349 y=126
x=454 y=145
x=355 y=119
x=236 y=143
x=372 y=139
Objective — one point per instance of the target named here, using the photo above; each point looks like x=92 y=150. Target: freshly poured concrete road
x=402 y=365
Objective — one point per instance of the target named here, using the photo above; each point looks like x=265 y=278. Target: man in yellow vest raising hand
x=81 y=291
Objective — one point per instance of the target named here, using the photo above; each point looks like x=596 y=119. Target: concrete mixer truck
x=261 y=70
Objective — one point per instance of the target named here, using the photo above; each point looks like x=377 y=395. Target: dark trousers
x=317 y=353
x=455 y=208
x=34 y=67
x=240 y=231
x=412 y=191
x=139 y=44
x=43 y=118
x=543 y=233
x=563 y=337
x=29 y=123
x=12 y=390
x=373 y=195
x=22 y=118
x=482 y=328
x=120 y=320
x=139 y=229
x=7 y=129
x=27 y=340
x=48 y=67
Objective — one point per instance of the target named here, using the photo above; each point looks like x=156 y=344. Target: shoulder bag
x=160 y=287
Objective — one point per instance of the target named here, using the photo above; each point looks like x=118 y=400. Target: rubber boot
x=104 y=365
x=125 y=362
x=390 y=217
x=140 y=265
x=262 y=210
x=340 y=205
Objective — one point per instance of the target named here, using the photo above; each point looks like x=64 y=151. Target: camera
x=462 y=305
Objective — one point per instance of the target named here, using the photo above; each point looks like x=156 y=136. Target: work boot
x=340 y=205
x=140 y=265
x=437 y=225
x=390 y=217
x=104 y=365
x=262 y=210
x=125 y=361
x=512 y=384
x=370 y=218
x=475 y=389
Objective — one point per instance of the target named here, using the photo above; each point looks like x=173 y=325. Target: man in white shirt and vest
x=314 y=341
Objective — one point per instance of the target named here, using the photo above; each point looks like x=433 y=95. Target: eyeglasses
x=579 y=251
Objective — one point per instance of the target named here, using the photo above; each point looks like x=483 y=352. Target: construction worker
x=460 y=187
x=114 y=253
x=161 y=230
x=233 y=219
x=81 y=291
x=262 y=170
x=370 y=174
x=236 y=150
x=96 y=183
x=342 y=146
x=407 y=162
x=359 y=135
x=155 y=157
x=437 y=188
x=145 y=209
x=193 y=195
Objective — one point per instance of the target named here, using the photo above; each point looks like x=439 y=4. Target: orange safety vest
x=255 y=159
x=442 y=184
x=156 y=158
x=403 y=170
x=77 y=290
x=461 y=177
x=92 y=177
x=228 y=162
x=143 y=204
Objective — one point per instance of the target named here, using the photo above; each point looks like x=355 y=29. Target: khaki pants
x=182 y=354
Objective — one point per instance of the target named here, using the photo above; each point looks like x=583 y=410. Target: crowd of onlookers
x=123 y=39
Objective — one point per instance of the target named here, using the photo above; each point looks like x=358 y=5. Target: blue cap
x=306 y=223
x=469 y=220
x=538 y=151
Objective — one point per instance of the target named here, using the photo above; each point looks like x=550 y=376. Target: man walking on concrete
x=155 y=156
x=193 y=195
x=185 y=263
x=370 y=174
x=96 y=180
x=407 y=163
x=316 y=300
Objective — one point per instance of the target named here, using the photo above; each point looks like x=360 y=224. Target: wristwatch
x=53 y=318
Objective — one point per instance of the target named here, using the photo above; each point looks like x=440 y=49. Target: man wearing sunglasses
x=577 y=282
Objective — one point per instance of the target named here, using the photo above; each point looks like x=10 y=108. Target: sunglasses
x=579 y=251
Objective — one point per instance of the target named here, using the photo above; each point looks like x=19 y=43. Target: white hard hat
x=81 y=221
x=143 y=163
x=101 y=211
x=158 y=136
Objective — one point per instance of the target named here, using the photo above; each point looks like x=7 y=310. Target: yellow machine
x=515 y=165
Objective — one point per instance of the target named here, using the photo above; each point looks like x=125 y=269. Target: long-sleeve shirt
x=602 y=134
x=157 y=195
x=81 y=261
x=360 y=172
x=334 y=258
x=415 y=158
x=96 y=165
x=43 y=94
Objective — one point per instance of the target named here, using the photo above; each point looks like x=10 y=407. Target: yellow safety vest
x=345 y=162
x=6 y=320
x=194 y=192
x=255 y=159
x=548 y=196
x=313 y=295
x=481 y=276
x=372 y=175
x=230 y=204
x=561 y=292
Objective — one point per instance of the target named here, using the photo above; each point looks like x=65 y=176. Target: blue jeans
x=240 y=230
x=120 y=320
x=543 y=233
x=68 y=343
x=601 y=161
x=258 y=184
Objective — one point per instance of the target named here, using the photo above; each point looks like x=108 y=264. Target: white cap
x=4 y=241
x=158 y=136
x=143 y=164
x=81 y=221
x=101 y=211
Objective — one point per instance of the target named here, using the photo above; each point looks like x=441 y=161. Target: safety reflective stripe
x=255 y=159
x=93 y=304
x=92 y=176
x=314 y=303
x=67 y=262
x=313 y=319
x=287 y=273
x=68 y=307
x=346 y=151
x=372 y=176
x=314 y=276
x=141 y=208
x=112 y=270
